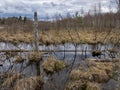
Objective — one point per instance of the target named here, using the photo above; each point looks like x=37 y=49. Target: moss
x=51 y=65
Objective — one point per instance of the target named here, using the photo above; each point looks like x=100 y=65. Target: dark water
x=57 y=80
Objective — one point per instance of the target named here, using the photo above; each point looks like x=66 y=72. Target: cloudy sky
x=48 y=7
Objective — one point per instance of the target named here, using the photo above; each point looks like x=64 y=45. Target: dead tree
x=36 y=36
x=118 y=5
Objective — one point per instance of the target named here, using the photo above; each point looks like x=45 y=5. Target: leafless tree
x=118 y=5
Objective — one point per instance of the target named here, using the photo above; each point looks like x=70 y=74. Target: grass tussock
x=10 y=54
x=11 y=79
x=96 y=73
x=18 y=59
x=32 y=83
x=77 y=85
x=16 y=38
x=80 y=85
x=51 y=65
x=113 y=50
x=93 y=86
x=35 y=57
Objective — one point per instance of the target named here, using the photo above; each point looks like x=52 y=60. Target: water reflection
x=58 y=79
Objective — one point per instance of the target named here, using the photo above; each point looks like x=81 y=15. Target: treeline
x=93 y=19
x=11 y=20
x=16 y=23
x=99 y=22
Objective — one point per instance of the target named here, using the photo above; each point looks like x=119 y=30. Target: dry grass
x=93 y=86
x=35 y=57
x=16 y=37
x=82 y=85
x=61 y=36
x=77 y=85
x=11 y=79
x=11 y=54
x=97 y=72
x=113 y=50
x=51 y=65
x=32 y=83
x=18 y=59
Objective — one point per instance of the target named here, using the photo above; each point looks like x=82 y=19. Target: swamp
x=79 y=51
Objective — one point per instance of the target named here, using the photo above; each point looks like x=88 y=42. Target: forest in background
x=91 y=27
x=93 y=19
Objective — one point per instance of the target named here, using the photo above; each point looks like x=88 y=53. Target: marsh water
x=57 y=80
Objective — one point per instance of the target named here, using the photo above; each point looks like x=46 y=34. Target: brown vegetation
x=51 y=65
x=31 y=83
x=35 y=57
x=61 y=36
x=97 y=72
x=10 y=79
x=18 y=59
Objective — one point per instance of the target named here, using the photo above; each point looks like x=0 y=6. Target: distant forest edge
x=93 y=19
x=98 y=21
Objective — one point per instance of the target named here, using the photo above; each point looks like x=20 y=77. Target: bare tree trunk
x=118 y=5
x=36 y=36
x=36 y=41
x=118 y=13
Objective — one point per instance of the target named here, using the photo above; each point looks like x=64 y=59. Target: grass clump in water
x=93 y=86
x=51 y=65
x=83 y=85
x=34 y=57
x=18 y=59
x=31 y=83
x=77 y=85
x=91 y=79
x=11 y=79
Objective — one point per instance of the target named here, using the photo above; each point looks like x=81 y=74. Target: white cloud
x=50 y=7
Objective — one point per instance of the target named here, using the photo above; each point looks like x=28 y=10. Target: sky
x=49 y=8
